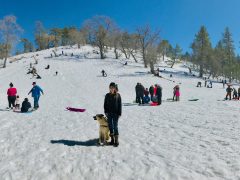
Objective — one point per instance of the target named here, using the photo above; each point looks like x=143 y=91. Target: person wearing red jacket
x=11 y=92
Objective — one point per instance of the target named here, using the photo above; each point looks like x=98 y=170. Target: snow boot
x=116 y=143
x=112 y=139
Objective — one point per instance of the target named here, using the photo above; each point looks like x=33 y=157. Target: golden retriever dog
x=103 y=129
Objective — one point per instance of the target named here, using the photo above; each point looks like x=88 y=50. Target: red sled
x=75 y=109
x=153 y=104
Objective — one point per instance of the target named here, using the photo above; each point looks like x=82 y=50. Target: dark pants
x=159 y=98
x=139 y=100
x=36 y=99
x=151 y=97
x=11 y=101
x=229 y=94
x=113 y=123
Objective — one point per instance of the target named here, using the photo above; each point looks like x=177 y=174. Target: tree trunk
x=152 y=67
x=6 y=56
x=144 y=58
x=116 y=53
x=133 y=56
x=101 y=52
x=173 y=63
x=5 y=62
x=201 y=71
x=125 y=53
x=55 y=53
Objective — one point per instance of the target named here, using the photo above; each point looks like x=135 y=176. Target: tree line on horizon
x=143 y=44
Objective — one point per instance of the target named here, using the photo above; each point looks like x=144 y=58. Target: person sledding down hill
x=104 y=74
x=229 y=92
x=48 y=67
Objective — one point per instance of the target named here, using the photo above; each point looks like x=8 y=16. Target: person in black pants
x=11 y=92
x=113 y=110
x=139 y=93
x=151 y=91
x=159 y=94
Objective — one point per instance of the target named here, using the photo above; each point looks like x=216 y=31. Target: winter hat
x=33 y=83
x=26 y=99
x=112 y=84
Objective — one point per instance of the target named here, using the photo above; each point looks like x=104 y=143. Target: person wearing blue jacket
x=36 y=93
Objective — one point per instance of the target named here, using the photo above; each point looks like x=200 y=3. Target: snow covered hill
x=177 y=140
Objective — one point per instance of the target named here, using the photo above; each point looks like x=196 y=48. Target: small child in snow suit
x=17 y=106
x=235 y=94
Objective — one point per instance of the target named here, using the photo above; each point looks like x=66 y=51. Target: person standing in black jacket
x=151 y=91
x=113 y=110
x=139 y=93
x=159 y=94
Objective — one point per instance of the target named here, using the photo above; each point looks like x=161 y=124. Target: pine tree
x=164 y=48
x=229 y=55
x=202 y=49
x=175 y=53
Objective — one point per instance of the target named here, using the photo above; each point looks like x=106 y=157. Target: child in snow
x=176 y=93
x=235 y=94
x=17 y=106
x=146 y=97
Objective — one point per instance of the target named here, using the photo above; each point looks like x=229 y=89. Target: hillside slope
x=177 y=140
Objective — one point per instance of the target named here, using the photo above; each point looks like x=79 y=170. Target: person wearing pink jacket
x=11 y=92
x=176 y=93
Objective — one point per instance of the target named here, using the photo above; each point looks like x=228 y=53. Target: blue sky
x=178 y=20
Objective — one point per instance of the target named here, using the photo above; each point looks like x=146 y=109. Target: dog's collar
x=103 y=126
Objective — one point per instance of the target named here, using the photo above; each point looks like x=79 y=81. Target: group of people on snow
x=232 y=93
x=155 y=92
x=14 y=98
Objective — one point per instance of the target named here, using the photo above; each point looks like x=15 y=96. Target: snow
x=177 y=140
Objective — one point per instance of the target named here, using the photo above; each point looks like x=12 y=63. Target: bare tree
x=151 y=57
x=57 y=34
x=164 y=48
x=42 y=39
x=114 y=41
x=124 y=43
x=27 y=45
x=76 y=37
x=99 y=28
x=146 y=38
x=129 y=45
x=9 y=34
